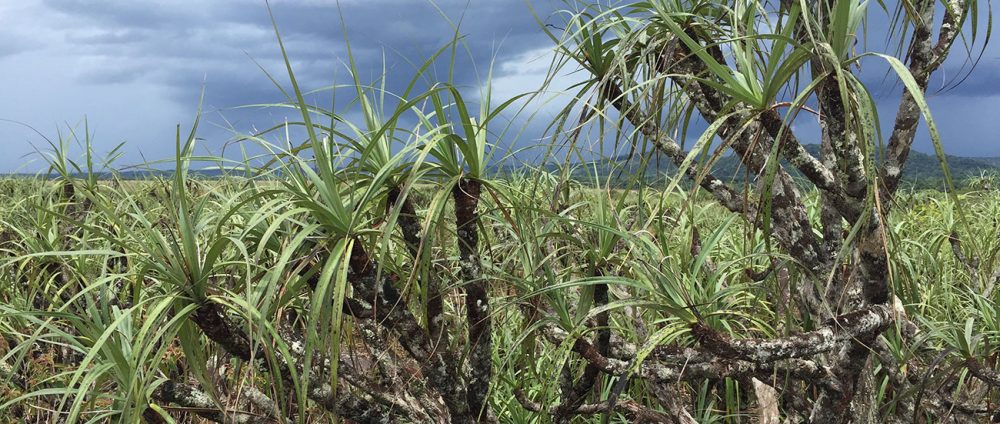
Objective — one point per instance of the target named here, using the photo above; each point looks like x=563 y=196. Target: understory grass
x=91 y=312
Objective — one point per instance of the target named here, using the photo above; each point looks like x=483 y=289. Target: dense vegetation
x=72 y=302
x=377 y=271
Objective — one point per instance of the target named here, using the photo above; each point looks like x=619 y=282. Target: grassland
x=376 y=270
x=99 y=280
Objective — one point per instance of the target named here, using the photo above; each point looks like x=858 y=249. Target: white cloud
x=529 y=72
x=46 y=97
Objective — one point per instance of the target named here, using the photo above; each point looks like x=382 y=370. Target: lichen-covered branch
x=477 y=302
x=725 y=195
x=752 y=142
x=815 y=170
x=843 y=328
x=200 y=403
x=264 y=403
x=796 y=155
x=910 y=387
x=632 y=409
x=791 y=224
x=721 y=357
x=391 y=312
x=838 y=122
x=409 y=225
x=211 y=318
x=971 y=264
x=574 y=394
x=924 y=60
x=988 y=375
x=951 y=25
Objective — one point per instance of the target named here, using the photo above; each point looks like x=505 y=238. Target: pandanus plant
x=363 y=344
x=380 y=271
x=655 y=66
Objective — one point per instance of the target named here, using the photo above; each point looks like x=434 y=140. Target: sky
x=133 y=70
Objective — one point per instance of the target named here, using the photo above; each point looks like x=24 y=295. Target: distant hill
x=134 y=174
x=922 y=167
x=921 y=170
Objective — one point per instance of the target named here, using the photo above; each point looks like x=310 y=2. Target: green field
x=100 y=283
x=365 y=262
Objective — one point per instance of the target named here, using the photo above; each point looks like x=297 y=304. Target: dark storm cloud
x=959 y=76
x=979 y=80
x=218 y=42
x=123 y=14
x=137 y=68
x=153 y=33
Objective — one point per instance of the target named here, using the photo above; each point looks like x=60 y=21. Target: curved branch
x=725 y=195
x=477 y=302
x=200 y=403
x=846 y=327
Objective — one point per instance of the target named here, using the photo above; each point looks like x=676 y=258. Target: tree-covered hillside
x=922 y=170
